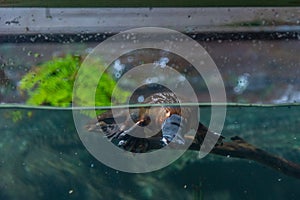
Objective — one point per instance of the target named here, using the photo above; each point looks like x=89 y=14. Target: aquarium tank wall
x=61 y=66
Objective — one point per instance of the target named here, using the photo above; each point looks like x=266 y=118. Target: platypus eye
x=145 y=121
x=168 y=113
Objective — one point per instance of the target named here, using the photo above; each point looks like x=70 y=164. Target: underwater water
x=42 y=157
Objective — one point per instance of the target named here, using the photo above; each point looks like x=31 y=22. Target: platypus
x=145 y=128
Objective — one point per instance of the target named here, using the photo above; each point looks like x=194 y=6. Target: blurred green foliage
x=52 y=82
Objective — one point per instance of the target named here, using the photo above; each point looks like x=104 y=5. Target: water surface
x=42 y=157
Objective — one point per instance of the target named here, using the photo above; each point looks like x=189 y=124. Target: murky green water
x=42 y=157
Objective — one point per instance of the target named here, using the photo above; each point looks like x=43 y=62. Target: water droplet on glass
x=118 y=68
x=162 y=62
x=242 y=83
x=151 y=80
x=141 y=99
x=130 y=59
x=117 y=75
x=181 y=78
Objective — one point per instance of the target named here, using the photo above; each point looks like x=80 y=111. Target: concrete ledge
x=113 y=20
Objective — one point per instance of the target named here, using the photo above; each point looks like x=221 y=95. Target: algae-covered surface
x=42 y=157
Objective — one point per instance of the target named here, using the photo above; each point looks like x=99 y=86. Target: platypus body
x=151 y=127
